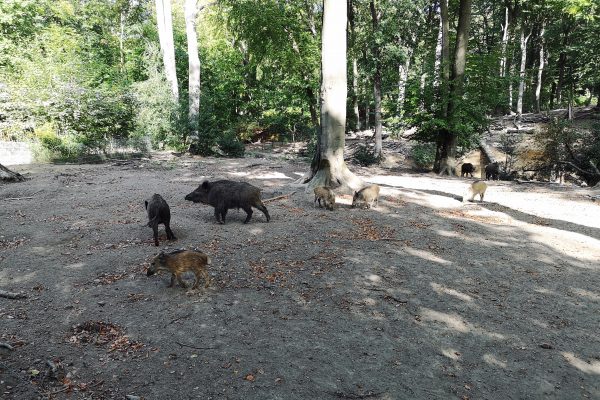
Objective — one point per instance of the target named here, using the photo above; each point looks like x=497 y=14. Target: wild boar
x=223 y=195
x=325 y=194
x=159 y=213
x=467 y=169
x=492 y=171
x=476 y=188
x=367 y=196
x=180 y=261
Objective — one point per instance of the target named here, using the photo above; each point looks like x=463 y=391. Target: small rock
x=101 y=303
x=546 y=346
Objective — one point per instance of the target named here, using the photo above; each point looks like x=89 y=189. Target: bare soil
x=423 y=297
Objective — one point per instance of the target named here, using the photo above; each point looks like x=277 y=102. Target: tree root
x=284 y=196
x=12 y=295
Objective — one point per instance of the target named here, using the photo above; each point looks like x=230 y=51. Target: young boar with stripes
x=180 y=261
x=325 y=194
x=366 y=197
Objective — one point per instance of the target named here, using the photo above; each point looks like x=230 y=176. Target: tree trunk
x=448 y=139
x=10 y=176
x=328 y=167
x=524 y=40
x=445 y=25
x=165 y=34
x=538 y=88
x=402 y=80
x=355 y=93
x=377 y=152
x=191 y=11
x=504 y=43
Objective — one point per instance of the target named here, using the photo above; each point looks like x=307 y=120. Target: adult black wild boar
x=223 y=195
x=467 y=169
x=492 y=171
x=159 y=213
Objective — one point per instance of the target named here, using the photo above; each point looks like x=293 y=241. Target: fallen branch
x=22 y=198
x=6 y=346
x=12 y=295
x=284 y=196
x=343 y=395
x=194 y=347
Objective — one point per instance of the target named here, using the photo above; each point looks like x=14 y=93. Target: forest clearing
x=422 y=297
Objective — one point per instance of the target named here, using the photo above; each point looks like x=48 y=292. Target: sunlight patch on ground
x=451 y=354
x=257 y=231
x=567 y=243
x=439 y=289
x=592 y=367
x=456 y=323
x=23 y=277
x=272 y=175
x=239 y=173
x=586 y=293
x=75 y=266
x=374 y=278
x=492 y=360
x=426 y=256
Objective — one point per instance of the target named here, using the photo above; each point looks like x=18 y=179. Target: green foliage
x=423 y=155
x=230 y=145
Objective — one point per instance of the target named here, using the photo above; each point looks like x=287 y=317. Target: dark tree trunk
x=377 y=81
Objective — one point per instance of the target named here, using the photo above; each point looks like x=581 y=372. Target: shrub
x=230 y=145
x=423 y=155
x=364 y=156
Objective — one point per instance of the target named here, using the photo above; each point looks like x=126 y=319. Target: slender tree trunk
x=524 y=40
x=377 y=82
x=538 y=88
x=191 y=12
x=448 y=150
x=445 y=24
x=121 y=41
x=402 y=80
x=511 y=74
x=437 y=65
x=504 y=42
x=355 y=93
x=328 y=167
x=165 y=35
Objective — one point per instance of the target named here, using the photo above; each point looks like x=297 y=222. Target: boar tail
x=152 y=221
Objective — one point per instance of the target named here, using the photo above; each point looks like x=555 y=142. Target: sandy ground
x=422 y=297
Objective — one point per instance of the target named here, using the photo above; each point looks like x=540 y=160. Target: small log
x=284 y=196
x=10 y=176
x=12 y=295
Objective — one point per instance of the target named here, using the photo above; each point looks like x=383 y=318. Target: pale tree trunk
x=511 y=73
x=538 y=88
x=164 y=22
x=377 y=83
x=355 y=93
x=524 y=40
x=444 y=78
x=402 y=81
x=191 y=12
x=121 y=40
x=504 y=43
x=448 y=149
x=438 y=52
x=328 y=167
x=7 y=175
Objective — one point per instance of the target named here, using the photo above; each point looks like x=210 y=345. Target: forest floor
x=422 y=297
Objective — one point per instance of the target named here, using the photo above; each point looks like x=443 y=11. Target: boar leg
x=172 y=280
x=155 y=230
x=480 y=197
x=223 y=214
x=206 y=278
x=315 y=202
x=170 y=234
x=218 y=215
x=181 y=282
x=262 y=208
x=248 y=210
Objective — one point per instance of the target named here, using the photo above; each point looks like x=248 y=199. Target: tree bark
x=355 y=93
x=377 y=152
x=504 y=42
x=10 y=176
x=538 y=88
x=328 y=167
x=523 y=41
x=164 y=22
x=191 y=12
x=448 y=138
x=402 y=80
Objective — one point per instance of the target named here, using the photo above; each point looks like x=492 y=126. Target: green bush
x=230 y=145
x=423 y=155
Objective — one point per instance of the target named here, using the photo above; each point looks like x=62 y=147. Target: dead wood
x=10 y=176
x=284 y=196
x=5 y=346
x=12 y=295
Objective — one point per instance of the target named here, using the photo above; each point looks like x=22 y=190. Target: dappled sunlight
x=568 y=243
x=452 y=354
x=374 y=278
x=586 y=293
x=75 y=266
x=23 y=278
x=588 y=367
x=492 y=360
x=455 y=322
x=272 y=175
x=426 y=255
x=240 y=174
x=256 y=231
x=439 y=289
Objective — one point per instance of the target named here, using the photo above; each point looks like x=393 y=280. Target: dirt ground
x=423 y=297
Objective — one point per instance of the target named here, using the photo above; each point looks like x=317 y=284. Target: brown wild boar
x=180 y=261
x=366 y=196
x=467 y=169
x=159 y=213
x=325 y=194
x=223 y=195
x=476 y=188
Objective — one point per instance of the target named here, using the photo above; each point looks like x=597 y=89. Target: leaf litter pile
x=104 y=333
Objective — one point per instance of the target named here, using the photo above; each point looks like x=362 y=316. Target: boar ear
x=205 y=185
x=146 y=203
